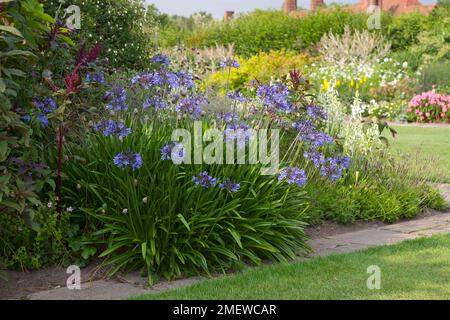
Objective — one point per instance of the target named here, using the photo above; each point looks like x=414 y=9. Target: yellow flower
x=365 y=79
x=325 y=84
x=338 y=83
x=352 y=83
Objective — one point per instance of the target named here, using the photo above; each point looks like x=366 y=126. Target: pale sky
x=217 y=7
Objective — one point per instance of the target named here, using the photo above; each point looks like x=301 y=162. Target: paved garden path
x=376 y=235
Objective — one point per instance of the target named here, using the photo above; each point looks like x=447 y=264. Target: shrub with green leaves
x=274 y=30
x=122 y=26
x=37 y=241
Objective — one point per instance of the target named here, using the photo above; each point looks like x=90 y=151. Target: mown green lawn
x=427 y=148
x=416 y=269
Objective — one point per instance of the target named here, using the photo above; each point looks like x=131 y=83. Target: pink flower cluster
x=429 y=107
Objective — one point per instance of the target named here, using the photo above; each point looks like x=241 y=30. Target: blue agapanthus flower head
x=204 y=180
x=154 y=102
x=304 y=128
x=228 y=117
x=185 y=79
x=293 y=175
x=230 y=63
x=316 y=113
x=45 y=105
x=275 y=97
x=161 y=59
x=230 y=185
x=317 y=158
x=128 y=160
x=148 y=80
x=345 y=162
x=334 y=167
x=332 y=170
x=43 y=120
x=95 y=77
x=319 y=139
x=191 y=106
x=173 y=151
x=112 y=127
x=117 y=97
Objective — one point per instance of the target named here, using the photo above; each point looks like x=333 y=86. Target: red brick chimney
x=315 y=4
x=290 y=6
x=228 y=15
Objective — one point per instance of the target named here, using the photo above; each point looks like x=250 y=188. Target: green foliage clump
x=25 y=247
x=403 y=30
x=370 y=201
x=123 y=27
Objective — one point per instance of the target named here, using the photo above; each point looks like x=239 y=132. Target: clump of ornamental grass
x=360 y=47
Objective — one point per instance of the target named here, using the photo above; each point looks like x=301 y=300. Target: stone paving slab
x=95 y=290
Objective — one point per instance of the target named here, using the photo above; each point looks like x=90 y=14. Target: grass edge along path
x=413 y=269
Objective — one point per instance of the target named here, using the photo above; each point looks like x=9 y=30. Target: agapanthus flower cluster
x=317 y=158
x=173 y=151
x=316 y=113
x=191 y=106
x=237 y=96
x=112 y=127
x=163 y=78
x=228 y=117
x=161 y=59
x=117 y=98
x=44 y=106
x=147 y=80
x=334 y=167
x=128 y=159
x=293 y=175
x=230 y=63
x=429 y=106
x=154 y=102
x=308 y=132
x=185 y=79
x=275 y=97
x=204 y=180
x=96 y=77
x=304 y=128
x=230 y=185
